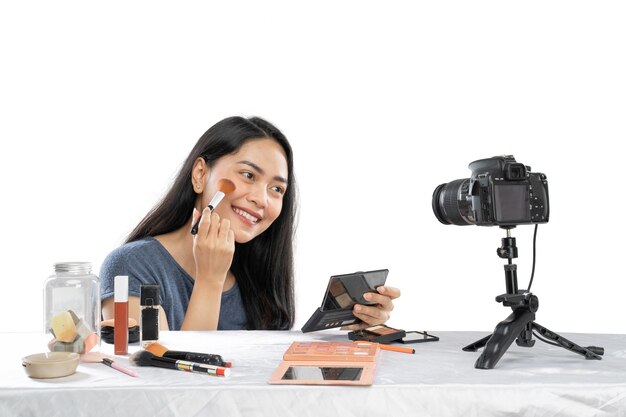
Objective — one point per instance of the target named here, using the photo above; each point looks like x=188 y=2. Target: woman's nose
x=258 y=196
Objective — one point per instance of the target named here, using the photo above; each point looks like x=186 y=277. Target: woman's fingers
x=391 y=292
x=224 y=229
x=380 y=311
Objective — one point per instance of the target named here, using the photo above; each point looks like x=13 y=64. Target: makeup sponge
x=63 y=327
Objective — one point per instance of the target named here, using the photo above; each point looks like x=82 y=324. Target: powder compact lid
x=50 y=364
x=150 y=295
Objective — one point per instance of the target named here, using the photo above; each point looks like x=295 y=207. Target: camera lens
x=450 y=204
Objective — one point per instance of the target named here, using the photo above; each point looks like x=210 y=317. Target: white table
x=439 y=380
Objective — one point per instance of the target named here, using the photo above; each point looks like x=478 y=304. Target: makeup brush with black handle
x=145 y=358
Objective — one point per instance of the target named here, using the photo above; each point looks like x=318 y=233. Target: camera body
x=500 y=192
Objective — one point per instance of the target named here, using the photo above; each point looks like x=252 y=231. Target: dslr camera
x=500 y=192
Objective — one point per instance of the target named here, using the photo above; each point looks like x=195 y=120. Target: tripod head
x=514 y=297
x=508 y=249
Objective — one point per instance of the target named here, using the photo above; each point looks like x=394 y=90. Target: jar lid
x=72 y=267
x=150 y=295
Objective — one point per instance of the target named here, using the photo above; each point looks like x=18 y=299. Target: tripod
x=520 y=324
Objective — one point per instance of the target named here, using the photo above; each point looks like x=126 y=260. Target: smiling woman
x=231 y=275
x=259 y=171
x=237 y=271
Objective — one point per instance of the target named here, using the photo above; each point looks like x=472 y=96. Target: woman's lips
x=251 y=217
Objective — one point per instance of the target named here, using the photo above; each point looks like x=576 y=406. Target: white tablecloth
x=439 y=380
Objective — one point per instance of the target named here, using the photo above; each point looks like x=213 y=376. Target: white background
x=382 y=101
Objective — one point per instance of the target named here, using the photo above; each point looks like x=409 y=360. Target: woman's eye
x=248 y=175
x=279 y=189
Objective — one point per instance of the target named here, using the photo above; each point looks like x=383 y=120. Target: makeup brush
x=224 y=187
x=145 y=358
x=158 y=349
x=98 y=357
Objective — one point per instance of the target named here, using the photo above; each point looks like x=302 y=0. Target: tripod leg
x=506 y=331
x=525 y=338
x=590 y=352
x=477 y=344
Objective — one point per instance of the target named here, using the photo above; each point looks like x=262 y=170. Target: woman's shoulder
x=145 y=246
x=130 y=255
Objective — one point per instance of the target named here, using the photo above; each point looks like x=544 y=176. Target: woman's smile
x=247 y=216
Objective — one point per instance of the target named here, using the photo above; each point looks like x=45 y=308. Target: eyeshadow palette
x=332 y=352
x=327 y=363
x=378 y=334
x=342 y=293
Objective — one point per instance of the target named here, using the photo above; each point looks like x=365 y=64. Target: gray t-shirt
x=146 y=261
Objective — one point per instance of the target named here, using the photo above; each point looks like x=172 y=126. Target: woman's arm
x=213 y=249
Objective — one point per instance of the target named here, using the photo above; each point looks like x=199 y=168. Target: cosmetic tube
x=120 y=330
x=149 y=318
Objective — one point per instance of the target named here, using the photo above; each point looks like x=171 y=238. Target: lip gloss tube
x=120 y=329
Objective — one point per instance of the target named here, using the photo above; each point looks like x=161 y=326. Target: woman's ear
x=199 y=174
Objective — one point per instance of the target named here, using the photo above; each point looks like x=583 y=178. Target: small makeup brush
x=145 y=358
x=224 y=187
x=98 y=357
x=158 y=349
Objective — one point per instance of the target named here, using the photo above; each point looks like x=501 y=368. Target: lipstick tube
x=120 y=329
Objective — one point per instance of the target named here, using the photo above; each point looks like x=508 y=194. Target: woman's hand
x=213 y=247
x=375 y=314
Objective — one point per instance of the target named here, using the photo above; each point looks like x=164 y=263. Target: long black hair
x=263 y=267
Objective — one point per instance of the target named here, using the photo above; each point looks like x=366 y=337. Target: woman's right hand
x=213 y=247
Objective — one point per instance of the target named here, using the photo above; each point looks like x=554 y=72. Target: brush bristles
x=141 y=358
x=157 y=349
x=225 y=186
x=145 y=358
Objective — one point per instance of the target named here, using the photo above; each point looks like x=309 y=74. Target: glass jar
x=72 y=308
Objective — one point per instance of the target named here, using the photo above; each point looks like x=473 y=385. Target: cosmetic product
x=327 y=363
x=158 y=349
x=378 y=334
x=72 y=308
x=145 y=358
x=224 y=187
x=149 y=315
x=116 y=366
x=120 y=337
x=400 y=349
x=99 y=357
x=107 y=331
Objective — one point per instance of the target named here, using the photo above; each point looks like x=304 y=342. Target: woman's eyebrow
x=262 y=171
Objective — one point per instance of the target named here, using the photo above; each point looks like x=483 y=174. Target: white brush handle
x=216 y=200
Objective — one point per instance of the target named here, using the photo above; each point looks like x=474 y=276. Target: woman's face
x=260 y=174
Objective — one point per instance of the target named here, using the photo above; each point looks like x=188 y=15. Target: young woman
x=237 y=271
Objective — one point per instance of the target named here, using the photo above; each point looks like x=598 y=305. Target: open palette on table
x=327 y=363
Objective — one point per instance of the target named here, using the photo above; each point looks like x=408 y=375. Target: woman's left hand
x=375 y=314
